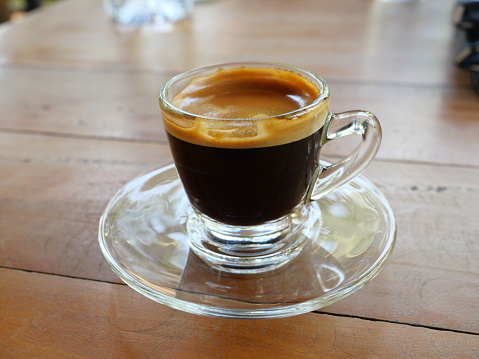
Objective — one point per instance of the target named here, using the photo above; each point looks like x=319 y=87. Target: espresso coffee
x=242 y=158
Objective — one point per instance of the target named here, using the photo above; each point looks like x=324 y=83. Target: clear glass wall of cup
x=251 y=179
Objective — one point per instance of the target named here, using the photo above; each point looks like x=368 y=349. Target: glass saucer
x=143 y=237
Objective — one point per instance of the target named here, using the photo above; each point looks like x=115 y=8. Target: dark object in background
x=466 y=15
x=475 y=80
x=467 y=57
x=32 y=4
x=4 y=11
x=466 y=19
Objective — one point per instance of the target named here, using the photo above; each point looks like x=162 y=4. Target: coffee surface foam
x=245 y=107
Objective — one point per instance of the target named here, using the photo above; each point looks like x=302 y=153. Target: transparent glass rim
x=166 y=104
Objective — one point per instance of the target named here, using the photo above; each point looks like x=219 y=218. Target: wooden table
x=79 y=118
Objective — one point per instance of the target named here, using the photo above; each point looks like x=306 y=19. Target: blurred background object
x=14 y=9
x=4 y=11
x=141 y=12
x=32 y=4
x=466 y=19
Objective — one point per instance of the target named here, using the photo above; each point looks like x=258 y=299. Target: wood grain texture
x=53 y=191
x=105 y=104
x=111 y=321
x=425 y=124
x=80 y=118
x=355 y=40
x=433 y=275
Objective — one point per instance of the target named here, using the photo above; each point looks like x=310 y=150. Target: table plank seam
x=424 y=163
x=119 y=69
x=317 y=312
x=109 y=69
x=164 y=142
x=80 y=137
x=395 y=322
x=60 y=275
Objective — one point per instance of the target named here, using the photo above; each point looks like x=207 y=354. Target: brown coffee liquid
x=254 y=176
x=246 y=186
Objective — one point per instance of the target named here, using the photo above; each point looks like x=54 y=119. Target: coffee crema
x=244 y=107
x=246 y=142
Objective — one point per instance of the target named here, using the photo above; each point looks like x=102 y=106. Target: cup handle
x=328 y=178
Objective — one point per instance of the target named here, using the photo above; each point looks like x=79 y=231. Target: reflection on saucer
x=143 y=237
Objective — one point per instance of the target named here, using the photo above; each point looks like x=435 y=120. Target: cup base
x=252 y=249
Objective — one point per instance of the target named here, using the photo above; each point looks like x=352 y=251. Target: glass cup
x=246 y=141
x=140 y=12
